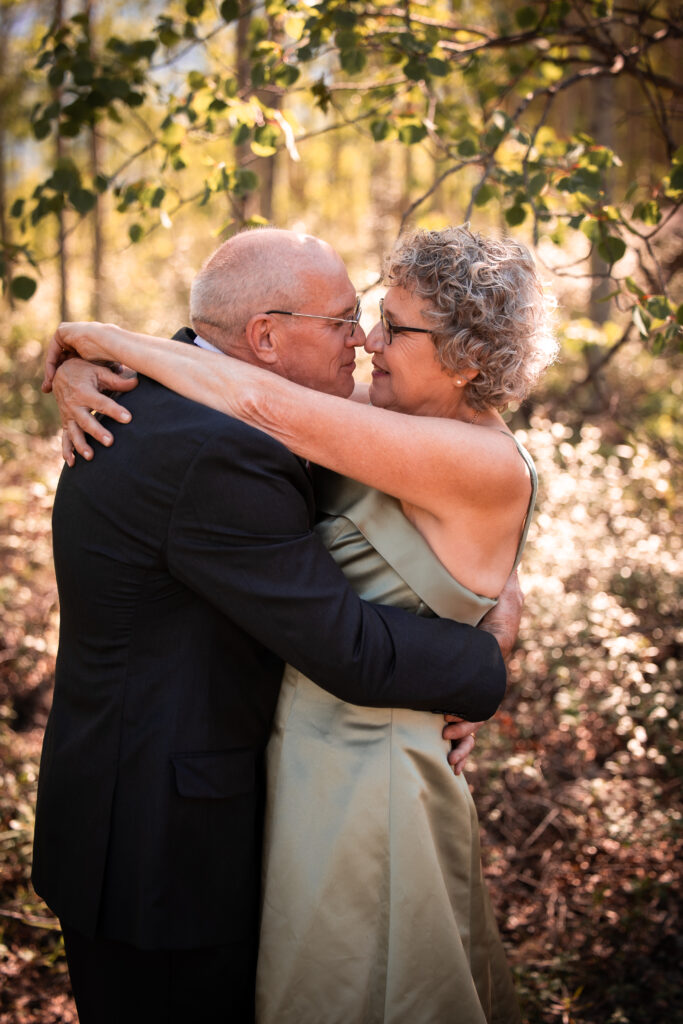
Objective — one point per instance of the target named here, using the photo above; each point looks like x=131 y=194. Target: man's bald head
x=252 y=272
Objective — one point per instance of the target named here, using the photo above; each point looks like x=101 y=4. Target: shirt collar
x=203 y=343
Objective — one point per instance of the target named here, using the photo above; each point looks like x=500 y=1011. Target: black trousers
x=115 y=983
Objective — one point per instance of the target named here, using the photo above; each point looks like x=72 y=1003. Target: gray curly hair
x=488 y=307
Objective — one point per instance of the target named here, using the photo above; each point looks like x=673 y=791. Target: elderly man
x=188 y=574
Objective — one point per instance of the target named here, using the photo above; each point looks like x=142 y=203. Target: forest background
x=136 y=137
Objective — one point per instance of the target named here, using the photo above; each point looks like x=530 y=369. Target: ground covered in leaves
x=577 y=780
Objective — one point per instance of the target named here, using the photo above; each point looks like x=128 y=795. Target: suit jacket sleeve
x=240 y=537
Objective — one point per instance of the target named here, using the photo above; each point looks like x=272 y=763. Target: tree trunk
x=61 y=216
x=5 y=233
x=97 y=302
x=243 y=151
x=602 y=128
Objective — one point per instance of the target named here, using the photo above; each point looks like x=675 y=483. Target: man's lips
x=379 y=370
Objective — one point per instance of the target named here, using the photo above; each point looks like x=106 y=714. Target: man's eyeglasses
x=391 y=329
x=354 y=320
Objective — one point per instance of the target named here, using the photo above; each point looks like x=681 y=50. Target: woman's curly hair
x=488 y=307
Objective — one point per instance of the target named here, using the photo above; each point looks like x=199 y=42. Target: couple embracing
x=219 y=589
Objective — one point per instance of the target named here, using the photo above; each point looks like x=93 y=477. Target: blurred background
x=134 y=138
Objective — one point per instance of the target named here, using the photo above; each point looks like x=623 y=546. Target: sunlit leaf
x=641 y=320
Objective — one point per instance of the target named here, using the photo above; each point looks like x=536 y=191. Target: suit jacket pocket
x=214 y=776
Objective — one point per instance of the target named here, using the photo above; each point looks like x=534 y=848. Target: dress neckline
x=380 y=519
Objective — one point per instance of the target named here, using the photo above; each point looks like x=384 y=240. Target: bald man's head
x=252 y=272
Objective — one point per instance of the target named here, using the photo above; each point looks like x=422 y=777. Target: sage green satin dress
x=375 y=910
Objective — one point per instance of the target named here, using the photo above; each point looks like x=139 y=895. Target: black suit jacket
x=187 y=574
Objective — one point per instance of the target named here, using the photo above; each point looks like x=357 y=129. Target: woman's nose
x=375 y=339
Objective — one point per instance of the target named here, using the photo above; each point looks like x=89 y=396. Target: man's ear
x=262 y=338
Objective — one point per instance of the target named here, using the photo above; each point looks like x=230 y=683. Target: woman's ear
x=262 y=338
x=463 y=377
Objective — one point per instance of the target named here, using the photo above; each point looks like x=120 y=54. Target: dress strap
x=532 y=500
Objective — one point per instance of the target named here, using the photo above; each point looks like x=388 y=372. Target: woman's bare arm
x=422 y=460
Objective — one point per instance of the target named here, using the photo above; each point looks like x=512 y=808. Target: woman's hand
x=78 y=387
x=461 y=733
x=89 y=340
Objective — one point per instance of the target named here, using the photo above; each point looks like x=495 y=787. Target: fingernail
x=87 y=454
x=107 y=439
x=125 y=417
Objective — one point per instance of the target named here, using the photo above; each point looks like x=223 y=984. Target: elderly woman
x=374 y=905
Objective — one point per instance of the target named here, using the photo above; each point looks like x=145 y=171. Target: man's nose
x=357 y=338
x=375 y=339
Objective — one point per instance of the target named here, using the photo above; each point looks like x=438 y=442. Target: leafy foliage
x=485 y=97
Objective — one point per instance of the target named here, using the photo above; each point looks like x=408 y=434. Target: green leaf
x=82 y=71
x=438 y=68
x=41 y=129
x=286 y=74
x=515 y=215
x=676 y=181
x=344 y=17
x=352 y=61
x=194 y=8
x=484 y=193
x=679 y=314
x=168 y=36
x=23 y=287
x=415 y=69
x=135 y=232
x=173 y=135
x=591 y=229
x=66 y=176
x=196 y=80
x=658 y=306
x=467 y=147
x=322 y=95
x=55 y=77
x=611 y=248
x=241 y=133
x=17 y=208
x=244 y=181
x=260 y=150
x=230 y=10
x=633 y=287
x=158 y=198
x=411 y=132
x=266 y=139
x=526 y=17
x=536 y=183
x=493 y=137
x=658 y=341
x=70 y=129
x=83 y=200
x=649 y=212
x=380 y=129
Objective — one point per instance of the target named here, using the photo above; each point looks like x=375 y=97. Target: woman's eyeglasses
x=391 y=329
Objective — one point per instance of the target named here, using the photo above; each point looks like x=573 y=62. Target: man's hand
x=503 y=620
x=78 y=387
x=461 y=733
